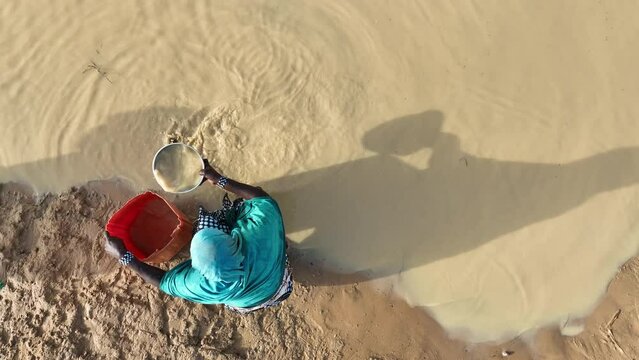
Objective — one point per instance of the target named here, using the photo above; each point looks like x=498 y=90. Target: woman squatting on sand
x=238 y=253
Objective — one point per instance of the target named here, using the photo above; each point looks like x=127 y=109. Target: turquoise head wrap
x=217 y=255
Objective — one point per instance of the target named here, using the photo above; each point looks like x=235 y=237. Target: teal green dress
x=258 y=232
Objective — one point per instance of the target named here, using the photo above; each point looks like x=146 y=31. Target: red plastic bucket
x=151 y=228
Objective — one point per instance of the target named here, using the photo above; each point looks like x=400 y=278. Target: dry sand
x=482 y=159
x=66 y=299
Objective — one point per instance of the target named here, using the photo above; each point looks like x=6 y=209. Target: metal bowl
x=188 y=149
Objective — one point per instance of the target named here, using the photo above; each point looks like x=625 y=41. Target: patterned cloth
x=282 y=293
x=219 y=219
x=223 y=219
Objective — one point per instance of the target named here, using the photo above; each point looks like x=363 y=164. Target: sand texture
x=66 y=297
x=480 y=161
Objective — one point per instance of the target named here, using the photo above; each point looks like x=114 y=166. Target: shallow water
x=483 y=156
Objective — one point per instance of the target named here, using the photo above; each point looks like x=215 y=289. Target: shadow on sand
x=131 y=136
x=381 y=215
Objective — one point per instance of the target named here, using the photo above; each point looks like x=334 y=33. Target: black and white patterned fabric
x=218 y=219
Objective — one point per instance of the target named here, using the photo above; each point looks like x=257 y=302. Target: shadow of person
x=123 y=145
x=418 y=199
x=382 y=215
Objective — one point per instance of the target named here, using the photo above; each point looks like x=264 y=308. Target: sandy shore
x=481 y=160
x=65 y=297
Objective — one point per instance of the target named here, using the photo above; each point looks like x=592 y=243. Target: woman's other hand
x=209 y=173
x=244 y=191
x=113 y=246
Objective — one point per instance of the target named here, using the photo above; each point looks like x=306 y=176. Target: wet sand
x=480 y=161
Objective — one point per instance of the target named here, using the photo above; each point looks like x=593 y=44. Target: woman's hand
x=113 y=246
x=209 y=173
x=244 y=191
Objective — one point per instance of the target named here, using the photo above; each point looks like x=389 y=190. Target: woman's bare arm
x=115 y=247
x=242 y=190
x=148 y=273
